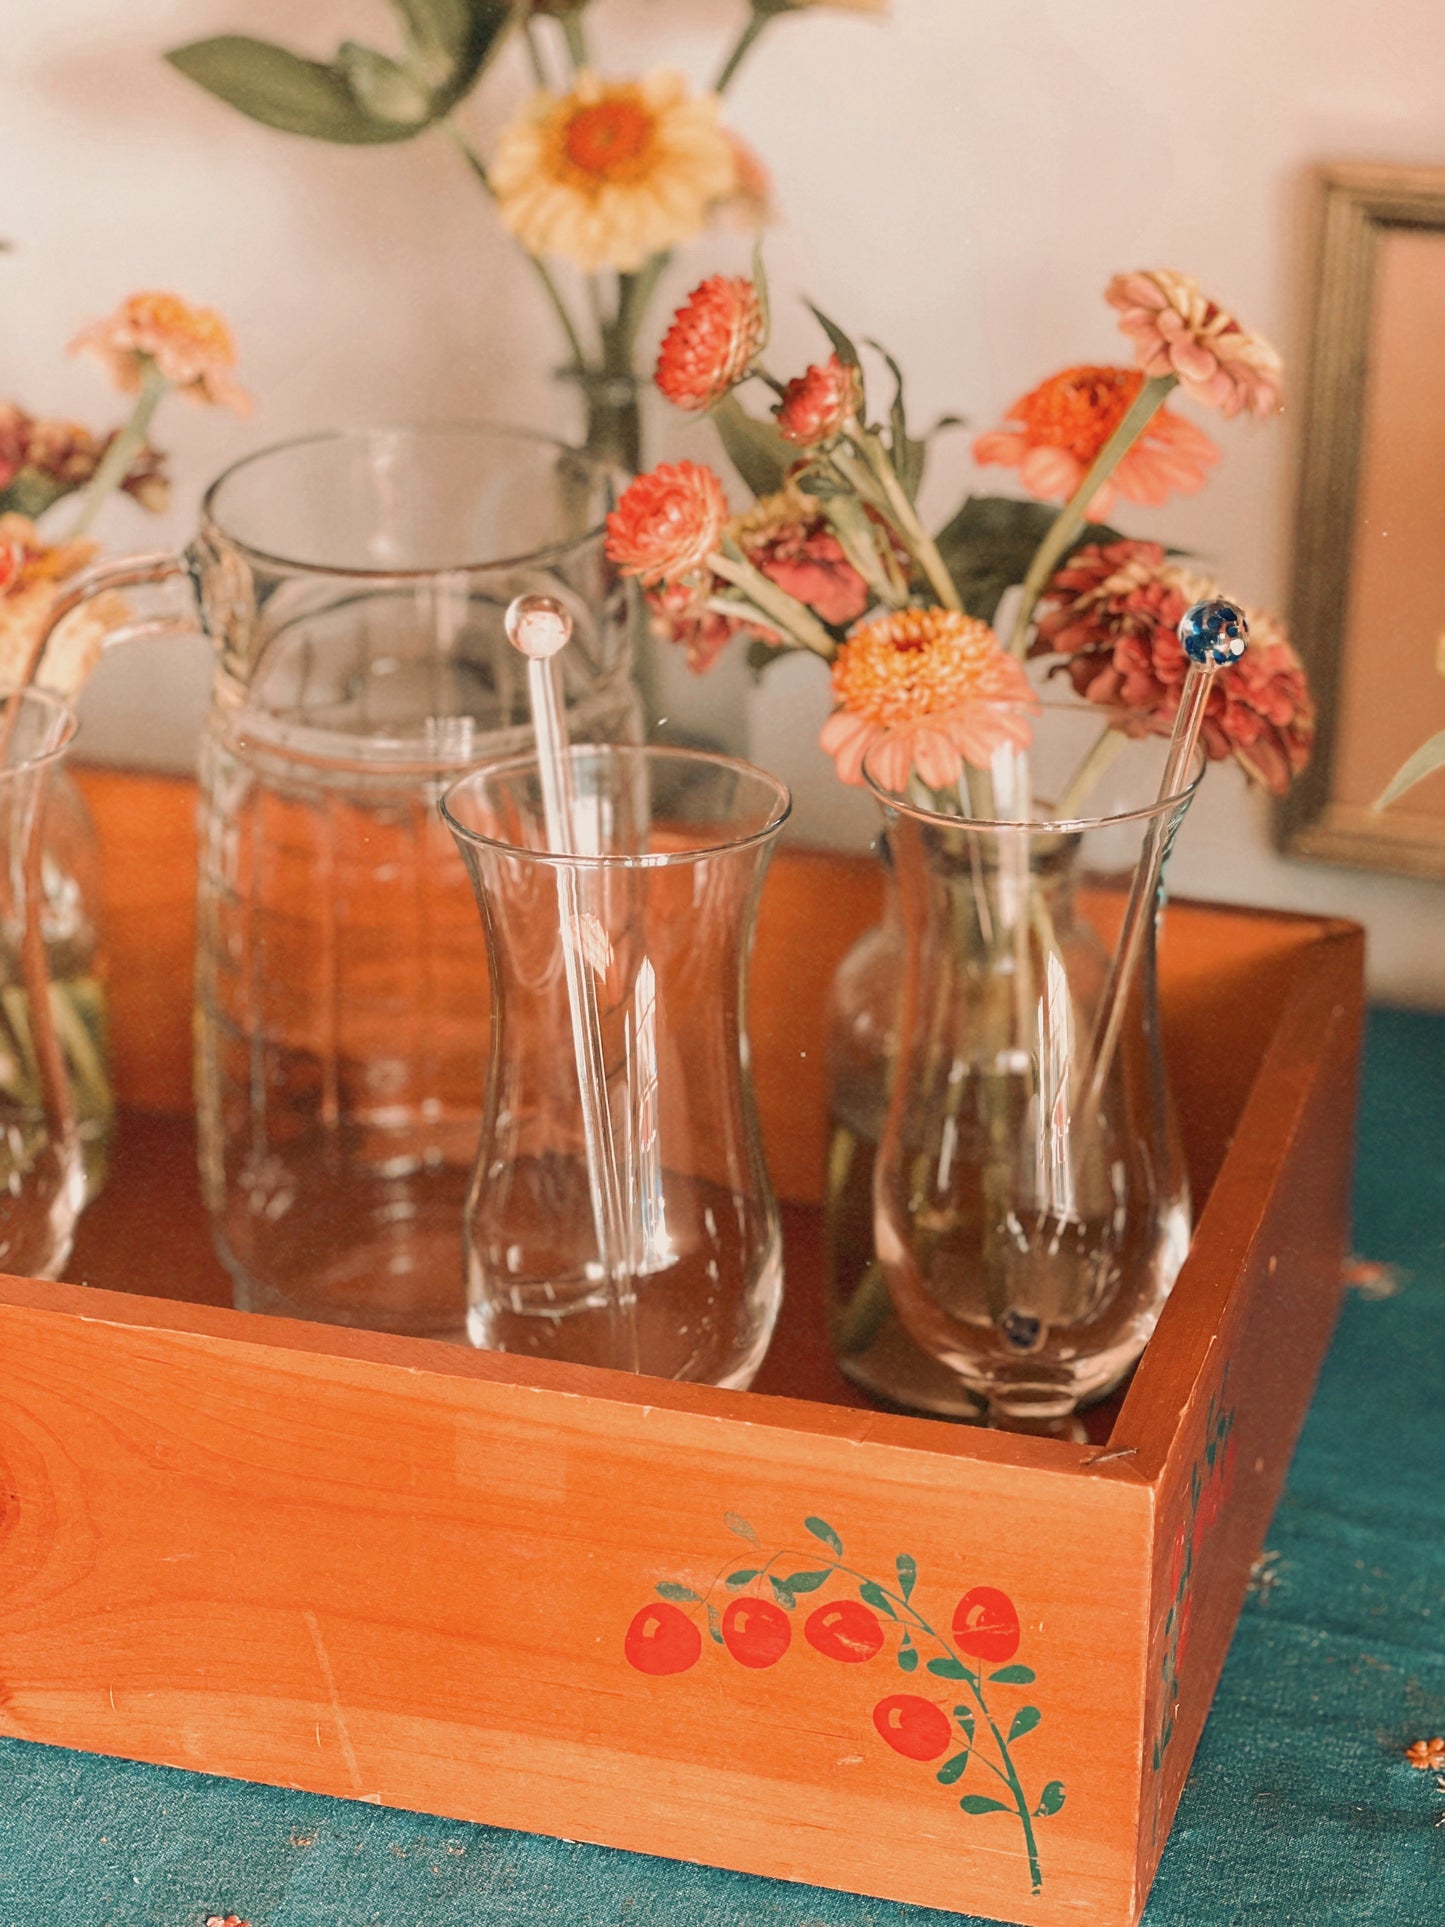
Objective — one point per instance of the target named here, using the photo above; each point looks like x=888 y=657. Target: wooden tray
x=449 y=1581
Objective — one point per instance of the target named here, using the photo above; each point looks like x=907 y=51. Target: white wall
x=959 y=181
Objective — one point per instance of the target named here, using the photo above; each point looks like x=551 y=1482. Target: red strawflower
x=787 y=537
x=818 y=406
x=1112 y=612
x=668 y=522
x=711 y=343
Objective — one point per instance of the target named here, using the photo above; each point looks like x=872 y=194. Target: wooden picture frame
x=1368 y=592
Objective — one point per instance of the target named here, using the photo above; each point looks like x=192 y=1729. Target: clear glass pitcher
x=42 y=1171
x=659 y=916
x=353 y=586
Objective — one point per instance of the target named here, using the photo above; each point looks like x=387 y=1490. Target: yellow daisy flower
x=614 y=172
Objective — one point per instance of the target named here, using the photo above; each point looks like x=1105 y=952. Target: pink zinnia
x=818 y=406
x=1176 y=330
x=668 y=522
x=1061 y=426
x=192 y=348
x=1112 y=612
x=711 y=343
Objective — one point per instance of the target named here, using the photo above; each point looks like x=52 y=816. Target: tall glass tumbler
x=661 y=909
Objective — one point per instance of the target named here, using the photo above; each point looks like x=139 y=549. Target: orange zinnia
x=192 y=348
x=1063 y=424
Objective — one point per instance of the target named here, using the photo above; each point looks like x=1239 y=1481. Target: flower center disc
x=609 y=139
x=1079 y=409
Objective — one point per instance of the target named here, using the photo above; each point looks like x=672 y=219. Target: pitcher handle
x=132 y=572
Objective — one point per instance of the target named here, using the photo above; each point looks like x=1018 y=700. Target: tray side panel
x=419 y=1588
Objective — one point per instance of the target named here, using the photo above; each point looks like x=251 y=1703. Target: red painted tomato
x=662 y=1639
x=986 y=1625
x=844 y=1630
x=914 y=1727
x=756 y=1632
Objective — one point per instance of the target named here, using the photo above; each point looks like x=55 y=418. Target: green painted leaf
x=948 y=1668
x=782 y=1593
x=820 y=1529
x=1427 y=759
x=744 y=1576
x=1052 y=1797
x=907 y=1574
x=735 y=1522
x=807 y=1581
x=843 y=345
x=757 y=451
x=1024 y=1721
x=281 y=89
x=873 y=1595
x=981 y=1803
x=953 y=1769
x=714 y=1624
x=908 y=1659
x=684 y=1595
x=988 y=545
x=1014 y=1675
x=964 y=1716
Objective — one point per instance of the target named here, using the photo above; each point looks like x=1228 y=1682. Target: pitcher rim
x=369 y=573
x=621 y=860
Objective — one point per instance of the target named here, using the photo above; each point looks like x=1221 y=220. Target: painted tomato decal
x=914 y=1727
x=756 y=1632
x=986 y=1625
x=844 y=1630
x=661 y=1640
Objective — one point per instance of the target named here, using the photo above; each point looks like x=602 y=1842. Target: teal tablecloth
x=1300 y=1811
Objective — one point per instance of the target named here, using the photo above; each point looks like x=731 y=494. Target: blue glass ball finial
x=1214 y=633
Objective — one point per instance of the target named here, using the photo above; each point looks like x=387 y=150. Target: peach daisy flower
x=192 y=348
x=1060 y=427
x=933 y=689
x=1177 y=330
x=711 y=343
x=667 y=523
x=614 y=172
x=818 y=406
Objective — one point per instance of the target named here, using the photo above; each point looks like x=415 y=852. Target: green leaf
x=1014 y=1675
x=820 y=1529
x=782 y=1593
x=948 y=1669
x=1024 y=1721
x=823 y=484
x=907 y=455
x=1427 y=759
x=908 y=1659
x=735 y=1522
x=980 y=1803
x=964 y=1716
x=283 y=90
x=844 y=347
x=760 y=654
x=953 y=1769
x=684 y=1595
x=384 y=88
x=907 y=1574
x=32 y=492
x=871 y=1592
x=744 y=1576
x=1052 y=1797
x=714 y=1624
x=807 y=1581
x=988 y=545
x=755 y=448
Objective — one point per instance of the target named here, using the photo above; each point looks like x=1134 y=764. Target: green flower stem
x=534 y=54
x=634 y=291
x=1106 y=748
x=115 y=465
x=553 y=292
x=576 y=38
x=873 y=476
x=757 y=20
x=792 y=616
x=1070 y=518
x=846 y=517
x=740 y=611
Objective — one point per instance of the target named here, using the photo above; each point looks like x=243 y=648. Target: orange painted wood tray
x=455 y=1582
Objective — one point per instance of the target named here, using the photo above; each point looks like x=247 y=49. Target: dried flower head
x=712 y=341
x=1061 y=426
x=1177 y=330
x=192 y=348
x=932 y=689
x=787 y=537
x=32 y=574
x=614 y=172
x=1112 y=612
x=818 y=406
x=1428 y=1756
x=668 y=522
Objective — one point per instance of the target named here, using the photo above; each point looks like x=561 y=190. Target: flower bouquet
x=1029 y=1198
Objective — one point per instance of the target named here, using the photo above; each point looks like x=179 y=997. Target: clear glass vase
x=621 y=1213
x=1031 y=1206
x=42 y=1172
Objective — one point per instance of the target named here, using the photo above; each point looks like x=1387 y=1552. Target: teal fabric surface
x=1300 y=1811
